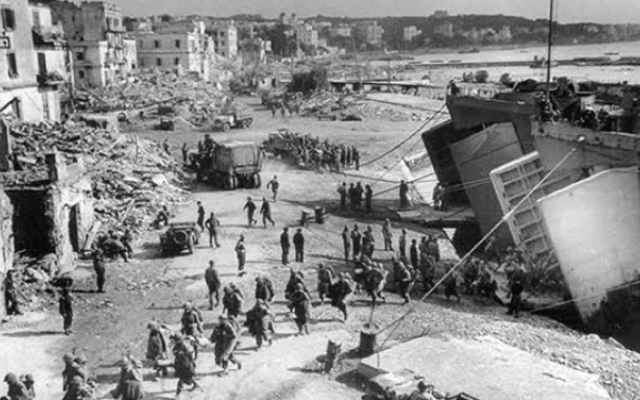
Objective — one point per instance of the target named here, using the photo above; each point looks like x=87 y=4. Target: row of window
x=176 y=61
x=157 y=44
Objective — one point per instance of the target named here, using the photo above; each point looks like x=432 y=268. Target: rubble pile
x=133 y=181
x=326 y=103
x=162 y=92
x=132 y=178
x=353 y=107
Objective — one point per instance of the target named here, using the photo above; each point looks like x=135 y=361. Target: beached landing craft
x=571 y=166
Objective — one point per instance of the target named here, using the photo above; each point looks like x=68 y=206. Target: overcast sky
x=602 y=11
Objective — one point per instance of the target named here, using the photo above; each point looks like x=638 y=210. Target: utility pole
x=550 y=43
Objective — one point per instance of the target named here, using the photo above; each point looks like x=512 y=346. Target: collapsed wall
x=6 y=244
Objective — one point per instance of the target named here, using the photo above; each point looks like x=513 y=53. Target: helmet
x=10 y=377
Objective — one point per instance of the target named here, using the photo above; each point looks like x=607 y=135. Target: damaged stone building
x=45 y=212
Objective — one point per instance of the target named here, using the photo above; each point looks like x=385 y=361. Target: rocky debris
x=355 y=107
x=132 y=178
x=151 y=94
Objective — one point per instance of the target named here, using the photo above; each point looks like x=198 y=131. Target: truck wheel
x=180 y=237
x=255 y=180
x=225 y=127
x=234 y=182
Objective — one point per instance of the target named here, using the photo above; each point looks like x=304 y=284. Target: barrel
x=368 y=340
x=320 y=214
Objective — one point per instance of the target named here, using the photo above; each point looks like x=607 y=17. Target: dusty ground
x=151 y=287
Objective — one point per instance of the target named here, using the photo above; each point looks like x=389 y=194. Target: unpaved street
x=151 y=287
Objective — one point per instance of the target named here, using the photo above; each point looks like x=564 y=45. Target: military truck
x=225 y=122
x=230 y=165
x=178 y=237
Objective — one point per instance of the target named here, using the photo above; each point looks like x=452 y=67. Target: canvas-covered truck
x=224 y=122
x=230 y=165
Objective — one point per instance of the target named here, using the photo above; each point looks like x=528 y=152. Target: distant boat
x=612 y=53
x=472 y=50
x=437 y=61
x=454 y=61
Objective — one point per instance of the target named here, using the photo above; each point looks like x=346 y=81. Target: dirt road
x=151 y=287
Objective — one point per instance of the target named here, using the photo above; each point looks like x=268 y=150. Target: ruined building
x=175 y=44
x=44 y=211
x=97 y=41
x=28 y=46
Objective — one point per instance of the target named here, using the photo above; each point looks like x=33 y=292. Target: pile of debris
x=353 y=107
x=132 y=178
x=330 y=105
x=158 y=93
x=133 y=181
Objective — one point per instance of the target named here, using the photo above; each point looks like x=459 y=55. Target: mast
x=548 y=95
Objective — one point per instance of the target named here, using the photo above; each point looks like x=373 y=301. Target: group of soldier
x=356 y=194
x=317 y=154
x=225 y=336
x=290 y=102
x=19 y=388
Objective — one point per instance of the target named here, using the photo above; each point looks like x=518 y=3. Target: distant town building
x=95 y=34
x=440 y=14
x=307 y=35
x=225 y=37
x=410 y=32
x=29 y=54
x=444 y=29
x=320 y=25
x=504 y=35
x=342 y=30
x=176 y=44
x=370 y=31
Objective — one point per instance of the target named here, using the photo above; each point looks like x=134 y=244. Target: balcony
x=50 y=79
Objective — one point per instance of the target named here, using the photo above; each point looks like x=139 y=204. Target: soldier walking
x=225 y=336
x=99 y=268
x=356 y=238
x=201 y=215
x=212 y=280
x=325 y=280
x=212 y=225
x=285 y=245
x=274 y=187
x=12 y=304
x=339 y=293
x=368 y=198
x=251 y=208
x=298 y=244
x=265 y=210
x=402 y=244
x=413 y=253
x=387 y=235
x=346 y=243
x=342 y=190
x=264 y=289
x=301 y=303
x=241 y=254
x=65 y=307
x=232 y=301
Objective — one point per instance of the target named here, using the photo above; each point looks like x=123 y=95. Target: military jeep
x=178 y=237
